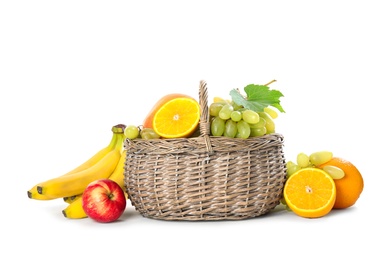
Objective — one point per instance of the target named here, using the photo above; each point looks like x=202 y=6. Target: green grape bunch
x=244 y=117
x=314 y=160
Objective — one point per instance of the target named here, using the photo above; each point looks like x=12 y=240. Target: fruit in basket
x=148 y=121
x=250 y=116
x=226 y=111
x=252 y=109
x=116 y=140
x=177 y=118
x=272 y=113
x=149 y=133
x=217 y=126
x=132 y=132
x=104 y=200
x=310 y=193
x=349 y=187
x=243 y=129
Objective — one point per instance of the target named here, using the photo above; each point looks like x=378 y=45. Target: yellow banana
x=117 y=129
x=70 y=199
x=69 y=185
x=118 y=175
x=75 y=209
x=33 y=194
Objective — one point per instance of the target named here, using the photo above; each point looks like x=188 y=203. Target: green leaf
x=257 y=98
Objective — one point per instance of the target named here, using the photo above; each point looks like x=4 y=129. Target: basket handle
x=204 y=122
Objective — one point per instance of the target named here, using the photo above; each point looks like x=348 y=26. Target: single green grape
x=272 y=113
x=236 y=106
x=250 y=116
x=320 y=157
x=226 y=111
x=289 y=164
x=269 y=123
x=149 y=133
x=256 y=132
x=217 y=126
x=292 y=168
x=236 y=116
x=303 y=160
x=131 y=131
x=261 y=123
x=230 y=128
x=215 y=108
x=243 y=129
x=334 y=172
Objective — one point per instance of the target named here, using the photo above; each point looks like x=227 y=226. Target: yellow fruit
x=310 y=193
x=148 y=121
x=117 y=131
x=75 y=209
x=70 y=199
x=220 y=100
x=69 y=185
x=177 y=118
x=272 y=113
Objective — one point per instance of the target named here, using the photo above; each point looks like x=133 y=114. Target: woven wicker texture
x=205 y=177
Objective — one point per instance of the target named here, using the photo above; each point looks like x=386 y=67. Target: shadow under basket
x=205 y=177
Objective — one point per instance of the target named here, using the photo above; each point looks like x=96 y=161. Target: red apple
x=104 y=200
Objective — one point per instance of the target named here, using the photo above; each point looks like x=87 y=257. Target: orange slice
x=177 y=118
x=310 y=193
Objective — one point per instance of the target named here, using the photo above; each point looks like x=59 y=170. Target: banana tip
x=29 y=194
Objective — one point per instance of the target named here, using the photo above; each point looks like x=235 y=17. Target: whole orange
x=348 y=188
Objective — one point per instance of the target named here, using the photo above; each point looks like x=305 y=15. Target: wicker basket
x=205 y=177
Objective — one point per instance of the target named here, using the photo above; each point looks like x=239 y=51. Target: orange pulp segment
x=310 y=193
x=177 y=118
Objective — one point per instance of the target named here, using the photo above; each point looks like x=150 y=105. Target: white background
x=69 y=70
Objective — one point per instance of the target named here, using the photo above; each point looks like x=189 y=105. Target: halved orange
x=310 y=193
x=177 y=118
x=148 y=121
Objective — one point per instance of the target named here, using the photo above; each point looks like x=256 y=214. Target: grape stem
x=272 y=81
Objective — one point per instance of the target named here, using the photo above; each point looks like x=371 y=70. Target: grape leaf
x=257 y=98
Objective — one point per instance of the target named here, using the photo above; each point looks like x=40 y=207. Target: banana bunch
x=75 y=208
x=106 y=163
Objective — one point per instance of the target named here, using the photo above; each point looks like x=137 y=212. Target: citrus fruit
x=310 y=193
x=148 y=121
x=350 y=186
x=177 y=118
